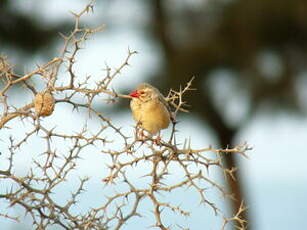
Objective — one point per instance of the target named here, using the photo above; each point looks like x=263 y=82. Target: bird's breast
x=152 y=115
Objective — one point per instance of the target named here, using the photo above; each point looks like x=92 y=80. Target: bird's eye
x=142 y=92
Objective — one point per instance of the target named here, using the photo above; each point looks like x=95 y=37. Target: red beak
x=134 y=94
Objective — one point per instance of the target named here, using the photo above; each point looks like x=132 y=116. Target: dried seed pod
x=44 y=104
x=4 y=65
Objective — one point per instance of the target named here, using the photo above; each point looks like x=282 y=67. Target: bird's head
x=144 y=92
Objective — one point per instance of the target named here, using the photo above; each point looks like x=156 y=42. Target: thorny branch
x=36 y=191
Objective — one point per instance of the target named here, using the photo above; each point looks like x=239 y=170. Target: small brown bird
x=149 y=108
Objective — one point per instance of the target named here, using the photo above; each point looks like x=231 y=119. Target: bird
x=150 y=109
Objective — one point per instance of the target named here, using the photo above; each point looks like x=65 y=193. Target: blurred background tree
x=253 y=49
x=246 y=56
x=25 y=34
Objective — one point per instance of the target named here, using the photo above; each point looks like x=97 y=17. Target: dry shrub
x=52 y=166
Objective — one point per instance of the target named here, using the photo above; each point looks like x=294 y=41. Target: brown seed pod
x=44 y=104
x=4 y=65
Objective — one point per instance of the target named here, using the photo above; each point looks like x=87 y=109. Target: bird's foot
x=157 y=140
